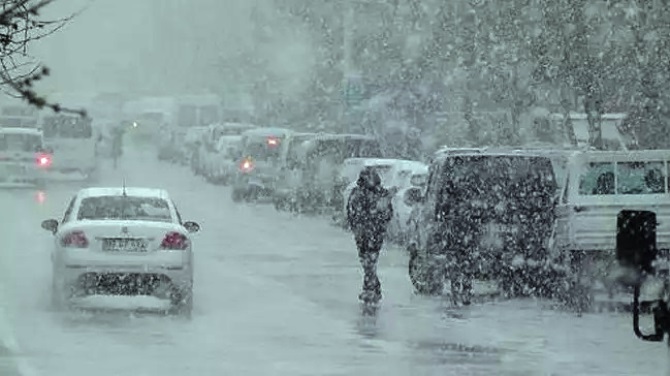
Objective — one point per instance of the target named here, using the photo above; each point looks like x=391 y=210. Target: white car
x=221 y=166
x=122 y=241
x=416 y=176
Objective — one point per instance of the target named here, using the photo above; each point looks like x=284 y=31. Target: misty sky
x=168 y=46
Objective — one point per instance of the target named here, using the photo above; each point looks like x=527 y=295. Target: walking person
x=369 y=211
x=117 y=144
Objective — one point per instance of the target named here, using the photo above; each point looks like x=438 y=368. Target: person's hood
x=369 y=179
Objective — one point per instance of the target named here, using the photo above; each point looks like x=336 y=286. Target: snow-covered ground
x=276 y=295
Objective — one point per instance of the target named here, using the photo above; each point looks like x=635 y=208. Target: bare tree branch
x=20 y=25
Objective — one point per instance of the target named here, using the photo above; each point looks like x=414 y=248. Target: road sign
x=353 y=90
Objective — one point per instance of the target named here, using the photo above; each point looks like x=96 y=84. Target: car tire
x=277 y=204
x=579 y=295
x=425 y=280
x=237 y=195
x=182 y=303
x=58 y=300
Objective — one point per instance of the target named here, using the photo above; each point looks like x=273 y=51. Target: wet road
x=276 y=295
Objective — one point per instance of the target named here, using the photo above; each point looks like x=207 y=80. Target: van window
x=597 y=179
x=640 y=178
x=20 y=142
x=629 y=178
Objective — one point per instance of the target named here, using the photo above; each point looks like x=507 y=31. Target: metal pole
x=347 y=64
x=348 y=37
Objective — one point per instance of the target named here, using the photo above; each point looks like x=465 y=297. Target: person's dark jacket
x=369 y=207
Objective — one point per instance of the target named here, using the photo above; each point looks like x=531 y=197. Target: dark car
x=484 y=215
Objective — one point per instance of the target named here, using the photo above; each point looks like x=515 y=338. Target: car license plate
x=124 y=245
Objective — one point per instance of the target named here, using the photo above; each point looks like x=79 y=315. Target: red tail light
x=175 y=241
x=74 y=239
x=44 y=160
x=273 y=142
x=246 y=165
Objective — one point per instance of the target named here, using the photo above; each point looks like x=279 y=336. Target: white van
x=599 y=185
x=21 y=116
x=72 y=140
x=24 y=160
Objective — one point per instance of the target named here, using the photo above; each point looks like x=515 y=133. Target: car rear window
x=20 y=142
x=124 y=208
x=341 y=149
x=490 y=179
x=263 y=149
x=67 y=127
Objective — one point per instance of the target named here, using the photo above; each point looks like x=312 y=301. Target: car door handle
x=579 y=209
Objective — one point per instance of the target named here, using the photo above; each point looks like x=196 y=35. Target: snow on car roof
x=623 y=156
x=12 y=130
x=339 y=136
x=118 y=191
x=495 y=152
x=370 y=161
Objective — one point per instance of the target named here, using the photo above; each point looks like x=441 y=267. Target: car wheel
x=237 y=195
x=579 y=295
x=426 y=279
x=182 y=303
x=252 y=195
x=59 y=302
x=276 y=202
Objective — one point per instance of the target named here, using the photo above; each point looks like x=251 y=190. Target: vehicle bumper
x=263 y=182
x=173 y=268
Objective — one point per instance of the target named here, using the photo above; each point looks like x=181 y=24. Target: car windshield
x=124 y=208
x=20 y=142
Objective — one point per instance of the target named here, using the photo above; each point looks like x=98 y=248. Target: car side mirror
x=191 y=226
x=412 y=196
x=50 y=225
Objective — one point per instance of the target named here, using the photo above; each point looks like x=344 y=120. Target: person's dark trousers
x=368 y=254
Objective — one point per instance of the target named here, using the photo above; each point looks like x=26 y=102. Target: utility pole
x=352 y=82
